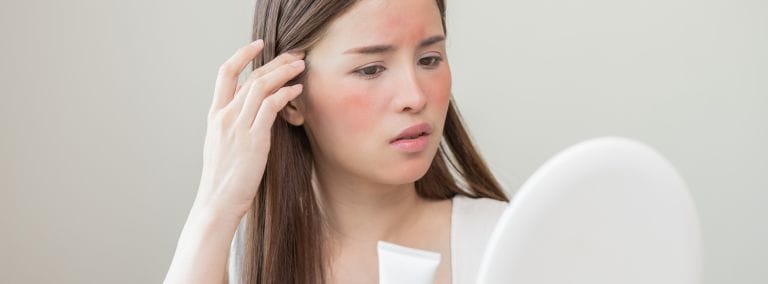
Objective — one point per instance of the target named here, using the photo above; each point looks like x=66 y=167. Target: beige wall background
x=103 y=108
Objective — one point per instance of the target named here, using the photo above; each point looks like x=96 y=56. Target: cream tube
x=399 y=264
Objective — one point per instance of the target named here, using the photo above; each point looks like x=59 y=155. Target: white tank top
x=472 y=221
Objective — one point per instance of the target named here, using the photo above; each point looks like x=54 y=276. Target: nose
x=409 y=95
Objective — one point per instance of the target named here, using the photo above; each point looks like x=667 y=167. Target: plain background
x=104 y=104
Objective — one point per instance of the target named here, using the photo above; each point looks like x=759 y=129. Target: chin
x=412 y=169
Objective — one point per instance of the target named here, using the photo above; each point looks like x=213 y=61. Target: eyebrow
x=384 y=48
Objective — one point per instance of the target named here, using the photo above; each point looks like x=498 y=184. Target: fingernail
x=298 y=63
x=296 y=53
x=257 y=42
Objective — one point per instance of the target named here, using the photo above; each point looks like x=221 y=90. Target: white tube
x=399 y=264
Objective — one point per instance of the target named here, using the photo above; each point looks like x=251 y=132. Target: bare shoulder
x=465 y=204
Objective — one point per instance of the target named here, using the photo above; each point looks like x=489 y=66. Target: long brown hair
x=284 y=229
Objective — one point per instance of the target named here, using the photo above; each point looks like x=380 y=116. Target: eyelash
x=435 y=61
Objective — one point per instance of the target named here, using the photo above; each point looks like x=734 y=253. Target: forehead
x=385 y=22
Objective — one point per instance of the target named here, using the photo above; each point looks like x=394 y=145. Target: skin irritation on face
x=351 y=118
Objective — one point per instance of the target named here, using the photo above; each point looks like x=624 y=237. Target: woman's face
x=380 y=68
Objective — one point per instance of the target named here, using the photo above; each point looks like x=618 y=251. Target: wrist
x=210 y=214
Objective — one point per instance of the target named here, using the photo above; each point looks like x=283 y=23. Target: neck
x=357 y=210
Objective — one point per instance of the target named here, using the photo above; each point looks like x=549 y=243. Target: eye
x=431 y=61
x=370 y=72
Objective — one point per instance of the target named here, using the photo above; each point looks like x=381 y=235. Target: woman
x=332 y=144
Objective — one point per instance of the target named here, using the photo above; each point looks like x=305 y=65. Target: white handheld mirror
x=605 y=211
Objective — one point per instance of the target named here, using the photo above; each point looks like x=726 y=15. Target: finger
x=280 y=60
x=226 y=80
x=264 y=86
x=272 y=105
x=236 y=105
x=283 y=59
x=240 y=96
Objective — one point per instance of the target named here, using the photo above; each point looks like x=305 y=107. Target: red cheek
x=441 y=97
x=441 y=91
x=356 y=111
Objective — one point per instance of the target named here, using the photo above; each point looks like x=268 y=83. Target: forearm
x=203 y=247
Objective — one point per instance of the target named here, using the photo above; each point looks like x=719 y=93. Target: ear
x=293 y=112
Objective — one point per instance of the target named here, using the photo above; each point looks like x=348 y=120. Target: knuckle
x=270 y=105
x=216 y=119
x=221 y=119
x=227 y=69
x=255 y=74
x=259 y=85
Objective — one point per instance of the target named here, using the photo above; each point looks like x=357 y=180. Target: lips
x=413 y=132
